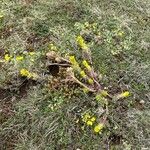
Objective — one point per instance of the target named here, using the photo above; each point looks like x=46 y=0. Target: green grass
x=33 y=116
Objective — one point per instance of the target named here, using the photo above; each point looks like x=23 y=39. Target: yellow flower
x=19 y=58
x=31 y=53
x=86 y=117
x=80 y=40
x=82 y=73
x=90 y=81
x=89 y=123
x=124 y=94
x=86 y=65
x=93 y=119
x=7 y=57
x=25 y=73
x=82 y=43
x=98 y=128
x=74 y=63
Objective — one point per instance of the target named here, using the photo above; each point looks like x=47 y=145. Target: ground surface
x=40 y=115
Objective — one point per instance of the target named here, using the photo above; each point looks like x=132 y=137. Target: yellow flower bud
x=86 y=65
x=90 y=81
x=82 y=73
x=124 y=94
x=73 y=60
x=82 y=43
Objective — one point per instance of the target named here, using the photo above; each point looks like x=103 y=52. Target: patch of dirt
x=21 y=90
x=115 y=139
x=9 y=96
x=139 y=105
x=114 y=89
x=9 y=143
x=71 y=9
x=6 y=32
x=36 y=41
x=53 y=70
x=6 y=105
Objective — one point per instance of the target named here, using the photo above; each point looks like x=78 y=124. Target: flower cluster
x=82 y=43
x=88 y=119
x=82 y=73
x=98 y=128
x=73 y=61
x=20 y=60
x=7 y=57
x=86 y=65
x=91 y=121
x=26 y=73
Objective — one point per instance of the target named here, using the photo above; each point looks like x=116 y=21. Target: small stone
x=142 y=102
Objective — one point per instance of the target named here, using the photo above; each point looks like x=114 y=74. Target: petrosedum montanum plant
x=82 y=73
